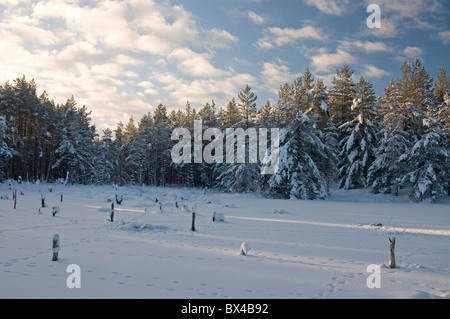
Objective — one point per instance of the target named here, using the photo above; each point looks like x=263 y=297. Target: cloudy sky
x=123 y=58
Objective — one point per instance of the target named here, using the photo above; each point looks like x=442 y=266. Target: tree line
x=342 y=134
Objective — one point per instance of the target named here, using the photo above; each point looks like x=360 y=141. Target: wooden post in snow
x=55 y=247
x=42 y=200
x=111 y=216
x=15 y=198
x=392 y=255
x=193 y=221
x=193 y=218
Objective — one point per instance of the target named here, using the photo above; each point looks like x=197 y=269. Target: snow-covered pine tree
x=138 y=149
x=120 y=174
x=239 y=177
x=76 y=152
x=404 y=105
x=160 y=146
x=359 y=145
x=428 y=161
x=301 y=154
x=428 y=167
x=393 y=142
x=105 y=158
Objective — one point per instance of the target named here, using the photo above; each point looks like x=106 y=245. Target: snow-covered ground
x=298 y=249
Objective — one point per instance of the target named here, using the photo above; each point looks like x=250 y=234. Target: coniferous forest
x=339 y=134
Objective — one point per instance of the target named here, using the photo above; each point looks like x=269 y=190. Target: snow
x=307 y=249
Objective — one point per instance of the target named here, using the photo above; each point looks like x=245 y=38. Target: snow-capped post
x=111 y=216
x=244 y=249
x=392 y=255
x=55 y=247
x=55 y=210
x=42 y=200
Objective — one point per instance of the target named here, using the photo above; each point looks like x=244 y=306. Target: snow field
x=298 y=249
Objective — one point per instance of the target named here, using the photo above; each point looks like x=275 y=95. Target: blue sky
x=123 y=58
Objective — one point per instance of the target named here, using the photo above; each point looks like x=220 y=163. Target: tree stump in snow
x=392 y=263
x=42 y=200
x=55 y=247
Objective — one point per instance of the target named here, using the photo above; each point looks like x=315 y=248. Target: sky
x=123 y=58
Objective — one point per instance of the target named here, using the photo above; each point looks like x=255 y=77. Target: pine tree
x=341 y=96
x=232 y=114
x=302 y=95
x=301 y=154
x=248 y=106
x=266 y=116
x=442 y=86
x=285 y=109
x=405 y=106
x=76 y=153
x=359 y=145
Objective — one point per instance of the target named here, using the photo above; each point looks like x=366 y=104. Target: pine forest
x=342 y=135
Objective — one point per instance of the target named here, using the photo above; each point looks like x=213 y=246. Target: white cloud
x=275 y=74
x=366 y=46
x=218 y=38
x=276 y=36
x=256 y=18
x=325 y=61
x=399 y=15
x=199 y=91
x=108 y=59
x=445 y=37
x=371 y=71
x=331 y=7
x=194 y=64
x=412 y=52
